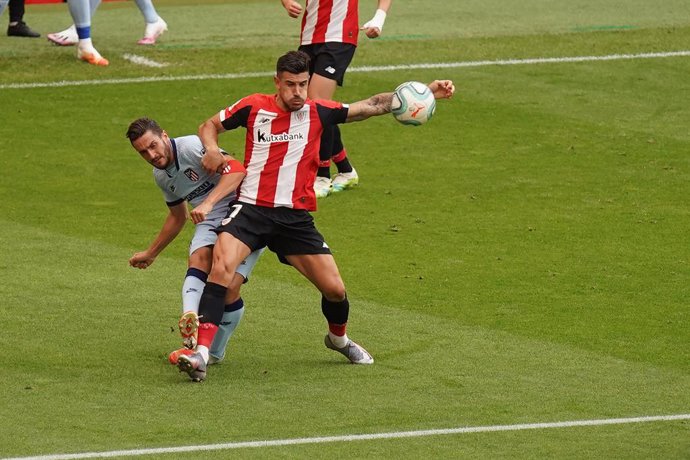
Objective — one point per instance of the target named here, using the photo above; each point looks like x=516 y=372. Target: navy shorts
x=285 y=231
x=330 y=60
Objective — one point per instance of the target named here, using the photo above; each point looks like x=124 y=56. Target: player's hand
x=442 y=89
x=141 y=260
x=293 y=8
x=374 y=27
x=371 y=32
x=213 y=161
x=199 y=213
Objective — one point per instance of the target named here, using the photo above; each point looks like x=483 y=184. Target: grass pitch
x=522 y=258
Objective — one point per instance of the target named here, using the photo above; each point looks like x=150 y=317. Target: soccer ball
x=413 y=103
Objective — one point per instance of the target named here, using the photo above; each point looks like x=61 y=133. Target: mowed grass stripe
x=451 y=369
x=385 y=68
x=361 y=437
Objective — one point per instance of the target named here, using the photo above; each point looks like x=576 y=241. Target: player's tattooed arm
x=378 y=104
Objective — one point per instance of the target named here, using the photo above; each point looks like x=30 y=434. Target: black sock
x=212 y=303
x=343 y=166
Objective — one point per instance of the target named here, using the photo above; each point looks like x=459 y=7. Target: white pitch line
x=436 y=65
x=141 y=60
x=359 y=437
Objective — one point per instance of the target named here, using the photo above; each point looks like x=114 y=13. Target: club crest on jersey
x=301 y=115
x=268 y=138
x=191 y=174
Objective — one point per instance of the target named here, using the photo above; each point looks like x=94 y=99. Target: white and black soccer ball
x=413 y=103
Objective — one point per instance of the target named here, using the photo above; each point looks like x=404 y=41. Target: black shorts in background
x=330 y=60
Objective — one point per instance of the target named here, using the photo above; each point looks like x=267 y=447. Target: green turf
x=522 y=258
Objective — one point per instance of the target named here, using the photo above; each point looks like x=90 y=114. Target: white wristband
x=377 y=21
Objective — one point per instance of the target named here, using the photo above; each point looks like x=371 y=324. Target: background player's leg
x=81 y=14
x=332 y=147
x=17 y=27
x=69 y=37
x=155 y=25
x=346 y=176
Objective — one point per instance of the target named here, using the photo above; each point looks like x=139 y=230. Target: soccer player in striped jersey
x=329 y=34
x=283 y=134
x=178 y=172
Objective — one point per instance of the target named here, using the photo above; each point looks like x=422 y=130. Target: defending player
x=329 y=33
x=179 y=174
x=274 y=200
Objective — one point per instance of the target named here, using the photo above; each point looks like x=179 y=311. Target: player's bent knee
x=221 y=273
x=335 y=293
x=201 y=259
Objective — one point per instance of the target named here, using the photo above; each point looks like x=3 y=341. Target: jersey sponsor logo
x=268 y=138
x=191 y=174
x=200 y=190
x=330 y=70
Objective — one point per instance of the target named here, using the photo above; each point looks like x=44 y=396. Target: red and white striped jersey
x=330 y=21
x=281 y=151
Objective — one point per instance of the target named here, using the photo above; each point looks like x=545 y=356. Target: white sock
x=203 y=351
x=338 y=341
x=86 y=44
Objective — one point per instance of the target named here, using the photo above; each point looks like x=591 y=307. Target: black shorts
x=285 y=231
x=330 y=60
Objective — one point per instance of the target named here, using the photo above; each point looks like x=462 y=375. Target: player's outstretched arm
x=378 y=104
x=173 y=225
x=213 y=161
x=293 y=8
x=381 y=103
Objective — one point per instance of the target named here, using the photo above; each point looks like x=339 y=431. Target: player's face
x=292 y=90
x=155 y=149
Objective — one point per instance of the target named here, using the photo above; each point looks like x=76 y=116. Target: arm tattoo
x=378 y=104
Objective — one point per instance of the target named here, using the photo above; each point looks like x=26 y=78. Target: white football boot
x=355 y=353
x=153 y=31
x=322 y=187
x=342 y=181
x=67 y=37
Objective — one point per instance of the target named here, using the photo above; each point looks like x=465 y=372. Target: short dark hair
x=139 y=127
x=293 y=62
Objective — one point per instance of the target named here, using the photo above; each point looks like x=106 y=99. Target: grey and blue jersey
x=185 y=178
